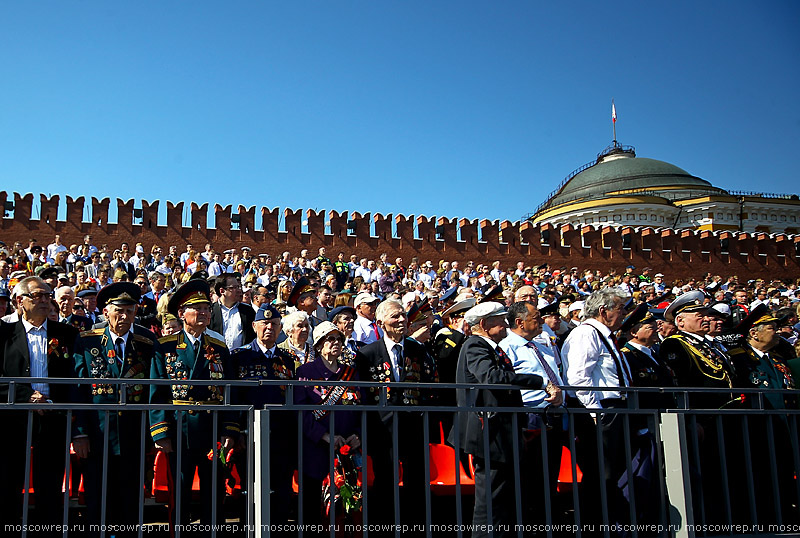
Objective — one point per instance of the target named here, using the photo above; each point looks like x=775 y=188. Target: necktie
x=547 y=370
x=626 y=374
x=120 y=350
x=397 y=350
x=375 y=328
x=505 y=362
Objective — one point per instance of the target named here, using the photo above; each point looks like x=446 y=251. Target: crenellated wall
x=676 y=253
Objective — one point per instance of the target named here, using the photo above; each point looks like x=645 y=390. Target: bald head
x=65 y=298
x=525 y=293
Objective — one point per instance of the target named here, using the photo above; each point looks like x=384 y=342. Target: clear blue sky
x=469 y=109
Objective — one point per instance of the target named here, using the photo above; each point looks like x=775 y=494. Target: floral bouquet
x=346 y=480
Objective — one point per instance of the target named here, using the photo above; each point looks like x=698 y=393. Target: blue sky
x=459 y=109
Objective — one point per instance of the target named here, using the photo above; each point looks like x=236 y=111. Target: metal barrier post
x=676 y=460
x=262 y=485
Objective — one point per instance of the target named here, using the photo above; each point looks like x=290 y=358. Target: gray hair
x=518 y=310
x=24 y=285
x=606 y=297
x=290 y=321
x=387 y=306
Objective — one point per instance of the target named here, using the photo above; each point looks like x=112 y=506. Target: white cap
x=542 y=303
x=324 y=329
x=577 y=305
x=474 y=315
x=658 y=274
x=365 y=297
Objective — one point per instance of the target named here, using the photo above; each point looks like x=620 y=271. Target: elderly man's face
x=196 y=317
x=394 y=323
x=267 y=331
x=495 y=327
x=693 y=322
x=526 y=293
x=65 y=298
x=120 y=317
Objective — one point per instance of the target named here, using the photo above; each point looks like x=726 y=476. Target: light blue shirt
x=525 y=361
x=37 y=351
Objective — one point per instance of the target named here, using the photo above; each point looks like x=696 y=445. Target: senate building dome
x=619 y=188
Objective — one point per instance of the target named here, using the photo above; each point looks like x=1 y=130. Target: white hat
x=324 y=329
x=577 y=305
x=365 y=297
x=658 y=274
x=542 y=303
x=474 y=315
x=460 y=306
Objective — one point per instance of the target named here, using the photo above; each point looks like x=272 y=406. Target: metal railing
x=690 y=451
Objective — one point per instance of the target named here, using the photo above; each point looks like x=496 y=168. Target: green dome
x=621 y=170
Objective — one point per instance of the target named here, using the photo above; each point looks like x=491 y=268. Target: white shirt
x=53 y=249
x=232 y=325
x=214 y=269
x=396 y=360
x=525 y=361
x=364 y=273
x=364 y=330
x=587 y=361
x=37 y=352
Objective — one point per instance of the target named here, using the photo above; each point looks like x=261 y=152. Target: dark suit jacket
x=418 y=367
x=247 y=314
x=15 y=360
x=146 y=313
x=478 y=363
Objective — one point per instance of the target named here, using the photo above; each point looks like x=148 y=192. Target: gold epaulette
x=213 y=340
x=143 y=339
x=168 y=338
x=93 y=332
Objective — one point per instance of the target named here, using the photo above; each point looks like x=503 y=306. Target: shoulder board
x=142 y=338
x=93 y=332
x=737 y=351
x=168 y=338
x=445 y=331
x=216 y=341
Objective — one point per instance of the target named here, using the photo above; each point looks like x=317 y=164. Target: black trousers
x=498 y=480
x=603 y=473
x=49 y=450
x=122 y=489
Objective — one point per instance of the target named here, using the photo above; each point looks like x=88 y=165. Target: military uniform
x=81 y=323
x=767 y=370
x=696 y=363
x=180 y=360
x=96 y=358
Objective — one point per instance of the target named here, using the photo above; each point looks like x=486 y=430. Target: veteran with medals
x=758 y=364
x=699 y=364
x=317 y=433
x=186 y=358
x=261 y=359
x=640 y=327
x=397 y=358
x=120 y=350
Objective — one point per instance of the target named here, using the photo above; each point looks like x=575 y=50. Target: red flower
x=338 y=480
x=345 y=450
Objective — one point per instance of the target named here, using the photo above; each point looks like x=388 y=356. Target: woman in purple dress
x=317 y=434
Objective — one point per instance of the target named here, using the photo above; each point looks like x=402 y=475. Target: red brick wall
x=676 y=253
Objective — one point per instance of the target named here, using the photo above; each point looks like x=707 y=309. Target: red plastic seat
x=565 y=480
x=443 y=463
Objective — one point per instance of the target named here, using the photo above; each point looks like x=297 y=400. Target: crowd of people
x=137 y=313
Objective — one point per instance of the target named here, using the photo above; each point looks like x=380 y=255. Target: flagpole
x=614 y=121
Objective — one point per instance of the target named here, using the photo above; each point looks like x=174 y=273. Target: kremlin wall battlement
x=676 y=253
